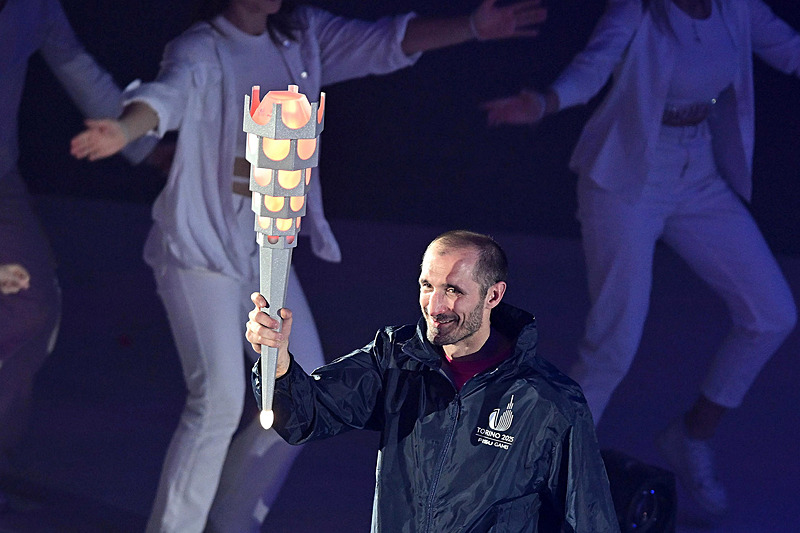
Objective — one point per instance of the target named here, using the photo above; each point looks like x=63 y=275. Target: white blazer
x=617 y=143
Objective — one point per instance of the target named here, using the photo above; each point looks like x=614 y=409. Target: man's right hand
x=262 y=331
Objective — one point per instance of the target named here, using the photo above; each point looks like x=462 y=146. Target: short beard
x=472 y=323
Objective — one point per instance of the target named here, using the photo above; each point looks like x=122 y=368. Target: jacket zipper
x=455 y=413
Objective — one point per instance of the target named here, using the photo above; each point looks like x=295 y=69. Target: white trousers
x=206 y=476
x=691 y=208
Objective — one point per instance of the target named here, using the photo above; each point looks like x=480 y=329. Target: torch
x=282 y=147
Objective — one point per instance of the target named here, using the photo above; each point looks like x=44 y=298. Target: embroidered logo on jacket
x=502 y=422
x=499 y=423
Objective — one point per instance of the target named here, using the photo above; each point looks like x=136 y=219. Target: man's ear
x=495 y=294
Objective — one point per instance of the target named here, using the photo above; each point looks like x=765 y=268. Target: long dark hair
x=282 y=25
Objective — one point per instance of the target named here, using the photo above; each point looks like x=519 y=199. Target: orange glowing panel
x=283 y=224
x=321 y=108
x=296 y=202
x=272 y=239
x=295 y=109
x=308 y=175
x=264 y=222
x=289 y=239
x=289 y=179
x=277 y=149
x=298 y=222
x=263 y=176
x=274 y=203
x=306 y=147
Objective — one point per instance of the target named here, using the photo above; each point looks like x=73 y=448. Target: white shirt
x=705 y=60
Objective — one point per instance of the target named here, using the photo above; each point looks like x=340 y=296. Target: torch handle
x=275 y=265
x=269 y=366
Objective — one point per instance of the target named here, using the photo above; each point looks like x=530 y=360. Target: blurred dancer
x=28 y=316
x=668 y=155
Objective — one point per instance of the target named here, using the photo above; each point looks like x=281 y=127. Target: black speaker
x=644 y=495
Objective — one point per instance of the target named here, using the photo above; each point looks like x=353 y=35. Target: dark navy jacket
x=513 y=451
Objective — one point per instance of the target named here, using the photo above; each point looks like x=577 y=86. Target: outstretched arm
x=485 y=23
x=583 y=78
x=105 y=137
x=527 y=107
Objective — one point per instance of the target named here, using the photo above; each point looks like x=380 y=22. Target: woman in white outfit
x=202 y=245
x=668 y=155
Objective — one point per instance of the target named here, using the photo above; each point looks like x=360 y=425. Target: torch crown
x=282 y=146
x=285 y=115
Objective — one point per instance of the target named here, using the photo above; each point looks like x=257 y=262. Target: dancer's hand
x=515 y=20
x=524 y=108
x=106 y=137
x=262 y=331
x=487 y=22
x=101 y=138
x=13 y=278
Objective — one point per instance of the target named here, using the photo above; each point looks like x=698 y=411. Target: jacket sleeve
x=351 y=48
x=589 y=71
x=774 y=40
x=580 y=480
x=337 y=397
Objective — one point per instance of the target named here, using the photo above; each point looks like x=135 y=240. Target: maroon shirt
x=461 y=371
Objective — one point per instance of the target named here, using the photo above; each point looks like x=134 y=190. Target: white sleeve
x=592 y=67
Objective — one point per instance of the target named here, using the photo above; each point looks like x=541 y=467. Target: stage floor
x=108 y=399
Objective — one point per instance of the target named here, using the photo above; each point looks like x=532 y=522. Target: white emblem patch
x=498 y=424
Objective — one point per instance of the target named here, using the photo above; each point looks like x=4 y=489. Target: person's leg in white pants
x=686 y=202
x=259 y=461
x=618 y=238
x=718 y=238
x=713 y=232
x=204 y=311
x=207 y=313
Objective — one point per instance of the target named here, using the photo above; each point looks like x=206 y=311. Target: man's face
x=452 y=301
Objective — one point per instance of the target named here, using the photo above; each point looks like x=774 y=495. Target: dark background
x=405 y=153
x=410 y=147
